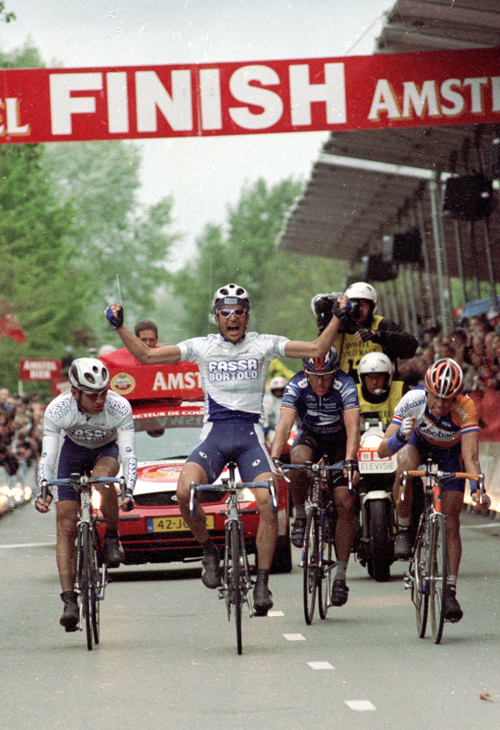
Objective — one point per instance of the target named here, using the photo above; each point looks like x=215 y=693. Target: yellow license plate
x=174 y=524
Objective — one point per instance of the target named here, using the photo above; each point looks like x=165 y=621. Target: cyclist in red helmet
x=325 y=400
x=436 y=420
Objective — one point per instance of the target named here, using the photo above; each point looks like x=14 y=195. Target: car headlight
x=96 y=499
x=246 y=495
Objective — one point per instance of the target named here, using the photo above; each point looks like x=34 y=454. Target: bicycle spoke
x=438 y=576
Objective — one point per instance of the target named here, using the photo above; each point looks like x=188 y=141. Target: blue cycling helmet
x=327 y=364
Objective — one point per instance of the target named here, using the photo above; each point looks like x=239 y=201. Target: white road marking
x=360 y=705
x=320 y=665
x=294 y=637
x=275 y=613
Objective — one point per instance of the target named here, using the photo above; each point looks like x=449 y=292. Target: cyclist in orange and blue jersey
x=436 y=420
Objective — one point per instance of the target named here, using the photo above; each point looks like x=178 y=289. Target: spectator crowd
x=21 y=422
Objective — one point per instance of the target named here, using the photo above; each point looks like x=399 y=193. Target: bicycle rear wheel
x=311 y=564
x=438 y=576
x=235 y=583
x=325 y=569
x=420 y=595
x=85 y=582
x=96 y=587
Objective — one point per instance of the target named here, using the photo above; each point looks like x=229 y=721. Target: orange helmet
x=444 y=378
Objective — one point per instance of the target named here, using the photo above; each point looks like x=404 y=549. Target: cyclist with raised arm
x=362 y=330
x=233 y=366
x=96 y=429
x=325 y=400
x=436 y=420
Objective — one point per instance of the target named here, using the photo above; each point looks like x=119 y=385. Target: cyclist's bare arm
x=146 y=355
x=353 y=428
x=285 y=425
x=470 y=455
x=320 y=346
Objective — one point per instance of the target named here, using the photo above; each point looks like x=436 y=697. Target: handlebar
x=441 y=475
x=315 y=468
x=231 y=488
x=82 y=482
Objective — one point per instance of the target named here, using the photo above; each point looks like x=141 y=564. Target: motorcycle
x=376 y=534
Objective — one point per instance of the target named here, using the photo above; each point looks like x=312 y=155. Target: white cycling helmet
x=362 y=290
x=376 y=362
x=88 y=375
x=230 y=294
x=277 y=383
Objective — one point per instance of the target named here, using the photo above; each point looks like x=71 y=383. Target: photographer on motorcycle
x=325 y=400
x=361 y=330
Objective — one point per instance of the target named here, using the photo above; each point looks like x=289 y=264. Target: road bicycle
x=91 y=571
x=428 y=569
x=236 y=580
x=318 y=551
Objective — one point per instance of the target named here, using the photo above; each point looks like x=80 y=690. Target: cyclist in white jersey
x=85 y=430
x=233 y=366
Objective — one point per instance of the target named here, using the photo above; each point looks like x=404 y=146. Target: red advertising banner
x=152 y=382
x=358 y=92
x=37 y=369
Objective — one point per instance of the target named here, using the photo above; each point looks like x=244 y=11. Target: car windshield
x=167 y=444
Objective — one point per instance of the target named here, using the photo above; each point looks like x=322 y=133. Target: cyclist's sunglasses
x=319 y=375
x=226 y=313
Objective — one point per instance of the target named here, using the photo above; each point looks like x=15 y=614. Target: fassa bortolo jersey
x=445 y=432
x=62 y=418
x=233 y=376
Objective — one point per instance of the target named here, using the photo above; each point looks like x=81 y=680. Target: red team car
x=167 y=405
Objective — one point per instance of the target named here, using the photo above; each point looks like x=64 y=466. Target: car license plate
x=174 y=524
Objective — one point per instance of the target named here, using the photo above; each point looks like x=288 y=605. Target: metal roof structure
x=370 y=184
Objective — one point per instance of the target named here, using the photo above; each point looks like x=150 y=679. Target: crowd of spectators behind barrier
x=475 y=346
x=21 y=424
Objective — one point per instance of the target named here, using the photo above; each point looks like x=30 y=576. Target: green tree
x=280 y=284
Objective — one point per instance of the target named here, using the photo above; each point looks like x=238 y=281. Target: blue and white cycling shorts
x=74 y=458
x=232 y=440
x=446 y=460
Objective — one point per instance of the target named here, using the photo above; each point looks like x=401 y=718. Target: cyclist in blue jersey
x=233 y=366
x=325 y=400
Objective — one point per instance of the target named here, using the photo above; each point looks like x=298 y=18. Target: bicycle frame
x=428 y=571
x=236 y=580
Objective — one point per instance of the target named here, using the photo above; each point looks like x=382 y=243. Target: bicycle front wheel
x=420 y=593
x=311 y=564
x=327 y=563
x=235 y=583
x=438 y=576
x=96 y=587
x=85 y=581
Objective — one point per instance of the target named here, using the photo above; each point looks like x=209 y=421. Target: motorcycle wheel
x=381 y=544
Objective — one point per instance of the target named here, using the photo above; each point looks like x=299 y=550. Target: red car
x=168 y=416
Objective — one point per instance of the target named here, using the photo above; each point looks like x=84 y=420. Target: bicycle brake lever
x=192 y=499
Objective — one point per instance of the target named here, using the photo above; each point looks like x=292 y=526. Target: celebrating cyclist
x=436 y=420
x=377 y=391
x=96 y=428
x=233 y=366
x=325 y=400
x=362 y=330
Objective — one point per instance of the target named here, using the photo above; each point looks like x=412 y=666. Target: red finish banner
x=358 y=92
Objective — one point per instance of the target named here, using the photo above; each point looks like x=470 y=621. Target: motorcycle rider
x=377 y=391
x=325 y=400
x=362 y=331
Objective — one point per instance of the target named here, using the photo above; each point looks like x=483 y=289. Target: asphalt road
x=167 y=657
